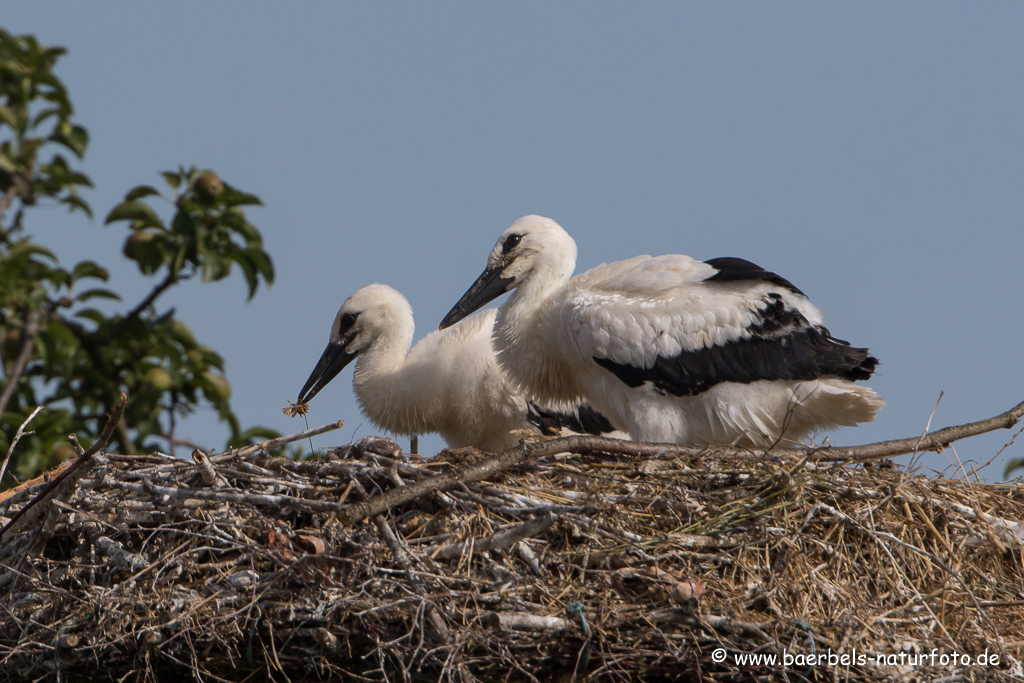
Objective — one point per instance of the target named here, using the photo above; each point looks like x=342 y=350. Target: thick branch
x=932 y=441
x=587 y=445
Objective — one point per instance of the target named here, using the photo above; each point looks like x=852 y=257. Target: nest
x=552 y=562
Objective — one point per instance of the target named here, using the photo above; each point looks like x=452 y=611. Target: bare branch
x=933 y=441
x=31 y=330
x=276 y=443
x=7 y=199
x=588 y=445
x=159 y=289
x=498 y=541
x=17 y=437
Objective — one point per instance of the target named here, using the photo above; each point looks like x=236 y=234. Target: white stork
x=449 y=383
x=668 y=348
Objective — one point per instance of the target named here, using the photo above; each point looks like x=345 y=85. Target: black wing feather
x=582 y=420
x=732 y=269
x=782 y=346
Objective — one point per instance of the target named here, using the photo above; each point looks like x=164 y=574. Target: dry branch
x=498 y=541
x=271 y=444
x=28 y=342
x=14 y=441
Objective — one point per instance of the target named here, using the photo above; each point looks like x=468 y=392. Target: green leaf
x=261 y=260
x=97 y=293
x=237 y=222
x=134 y=211
x=45 y=114
x=7 y=116
x=140 y=192
x=173 y=179
x=91 y=314
x=89 y=269
x=76 y=202
x=248 y=270
x=25 y=249
x=232 y=197
x=1012 y=465
x=77 y=178
x=179 y=261
x=43 y=349
x=215 y=267
x=78 y=140
x=75 y=138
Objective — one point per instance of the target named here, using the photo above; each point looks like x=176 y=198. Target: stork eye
x=511 y=242
x=347 y=321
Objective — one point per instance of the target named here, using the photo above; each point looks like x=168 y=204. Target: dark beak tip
x=449 y=320
x=488 y=287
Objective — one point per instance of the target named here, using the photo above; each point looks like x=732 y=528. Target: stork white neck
x=526 y=324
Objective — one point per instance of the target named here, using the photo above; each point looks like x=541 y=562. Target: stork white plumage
x=449 y=383
x=668 y=348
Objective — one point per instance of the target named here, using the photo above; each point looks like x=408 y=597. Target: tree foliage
x=59 y=344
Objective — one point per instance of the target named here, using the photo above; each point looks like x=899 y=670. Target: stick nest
x=589 y=566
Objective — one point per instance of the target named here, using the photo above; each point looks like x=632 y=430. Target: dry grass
x=244 y=567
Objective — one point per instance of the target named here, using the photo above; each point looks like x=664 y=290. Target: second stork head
x=374 y=319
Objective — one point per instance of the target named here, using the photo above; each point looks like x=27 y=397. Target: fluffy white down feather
x=449 y=383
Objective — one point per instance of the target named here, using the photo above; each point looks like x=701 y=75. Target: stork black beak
x=332 y=361
x=488 y=287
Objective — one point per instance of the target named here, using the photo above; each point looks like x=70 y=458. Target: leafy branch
x=60 y=344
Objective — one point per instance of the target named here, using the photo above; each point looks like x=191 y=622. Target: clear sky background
x=872 y=153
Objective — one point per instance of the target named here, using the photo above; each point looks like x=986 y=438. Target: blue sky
x=872 y=153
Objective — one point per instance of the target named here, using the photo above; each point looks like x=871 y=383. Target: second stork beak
x=332 y=361
x=488 y=287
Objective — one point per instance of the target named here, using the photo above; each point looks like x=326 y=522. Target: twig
x=447 y=480
x=274 y=443
x=222 y=496
x=524 y=621
x=31 y=330
x=171 y=279
x=498 y=541
x=402 y=558
x=927 y=426
x=17 y=437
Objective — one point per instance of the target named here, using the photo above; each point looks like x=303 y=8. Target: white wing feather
x=633 y=311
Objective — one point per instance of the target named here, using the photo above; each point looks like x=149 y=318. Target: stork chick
x=668 y=348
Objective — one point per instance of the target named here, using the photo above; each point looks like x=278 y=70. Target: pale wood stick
x=275 y=443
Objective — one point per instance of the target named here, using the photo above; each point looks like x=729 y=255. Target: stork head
x=374 y=312
x=533 y=252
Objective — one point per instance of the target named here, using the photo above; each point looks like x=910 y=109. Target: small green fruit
x=183 y=333
x=159 y=378
x=216 y=386
x=209 y=185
